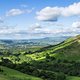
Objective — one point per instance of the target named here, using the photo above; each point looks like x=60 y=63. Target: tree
x=47 y=56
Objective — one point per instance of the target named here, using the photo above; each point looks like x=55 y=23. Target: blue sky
x=26 y=19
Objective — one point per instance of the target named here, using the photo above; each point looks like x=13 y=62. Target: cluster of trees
x=28 y=52
x=28 y=68
x=71 y=68
x=50 y=68
x=1 y=70
x=6 y=53
x=1 y=53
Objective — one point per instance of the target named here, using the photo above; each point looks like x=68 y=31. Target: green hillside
x=73 y=78
x=54 y=62
x=10 y=74
x=68 y=49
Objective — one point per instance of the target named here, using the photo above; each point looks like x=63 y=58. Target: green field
x=73 y=78
x=10 y=74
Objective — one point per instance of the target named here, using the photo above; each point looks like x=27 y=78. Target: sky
x=28 y=19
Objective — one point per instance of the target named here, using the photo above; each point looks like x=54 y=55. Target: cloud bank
x=53 y=13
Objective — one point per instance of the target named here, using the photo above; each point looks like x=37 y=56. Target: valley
x=39 y=39
x=52 y=62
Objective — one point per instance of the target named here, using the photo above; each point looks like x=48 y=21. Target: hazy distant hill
x=42 y=41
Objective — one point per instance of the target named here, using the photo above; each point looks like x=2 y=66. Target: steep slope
x=71 y=51
x=10 y=74
x=68 y=49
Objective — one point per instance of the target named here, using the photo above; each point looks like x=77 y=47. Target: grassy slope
x=10 y=74
x=73 y=78
x=69 y=49
x=70 y=52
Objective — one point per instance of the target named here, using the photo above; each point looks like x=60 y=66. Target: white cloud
x=71 y=10
x=48 y=13
x=76 y=24
x=40 y=29
x=35 y=27
x=55 y=24
x=73 y=30
x=53 y=13
x=1 y=20
x=14 y=12
x=37 y=30
x=8 y=30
